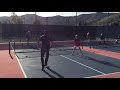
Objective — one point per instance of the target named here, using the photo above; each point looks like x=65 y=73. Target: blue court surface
x=64 y=65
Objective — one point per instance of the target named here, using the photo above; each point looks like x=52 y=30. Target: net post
x=82 y=44
x=14 y=45
x=90 y=42
x=9 y=47
x=93 y=43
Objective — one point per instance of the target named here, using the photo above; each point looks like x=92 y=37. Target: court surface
x=113 y=48
x=64 y=65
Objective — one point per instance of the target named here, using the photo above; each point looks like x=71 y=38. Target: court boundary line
x=83 y=65
x=21 y=67
x=19 y=64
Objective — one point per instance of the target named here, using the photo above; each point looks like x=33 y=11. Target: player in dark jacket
x=46 y=42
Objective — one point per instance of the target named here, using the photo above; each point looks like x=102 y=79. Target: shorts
x=77 y=45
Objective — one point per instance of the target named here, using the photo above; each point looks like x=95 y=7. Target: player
x=77 y=44
x=88 y=35
x=102 y=38
x=28 y=36
x=88 y=38
x=118 y=39
x=46 y=42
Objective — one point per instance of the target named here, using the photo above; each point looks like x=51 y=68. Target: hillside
x=89 y=19
x=111 y=20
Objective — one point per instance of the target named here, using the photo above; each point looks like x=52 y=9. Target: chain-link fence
x=18 y=31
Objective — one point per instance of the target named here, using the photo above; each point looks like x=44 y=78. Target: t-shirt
x=45 y=41
x=77 y=42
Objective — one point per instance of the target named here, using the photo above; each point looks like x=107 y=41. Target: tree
x=116 y=24
x=15 y=19
x=37 y=22
x=82 y=23
x=20 y=20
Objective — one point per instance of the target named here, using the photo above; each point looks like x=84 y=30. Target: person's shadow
x=11 y=56
x=102 y=62
x=48 y=74
x=54 y=72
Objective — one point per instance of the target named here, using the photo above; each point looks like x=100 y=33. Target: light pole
x=23 y=20
x=69 y=21
x=76 y=18
x=35 y=17
x=46 y=20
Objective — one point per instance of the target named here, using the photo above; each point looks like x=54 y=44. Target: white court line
x=19 y=63
x=21 y=67
x=102 y=75
x=82 y=64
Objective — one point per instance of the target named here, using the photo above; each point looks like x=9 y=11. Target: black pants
x=28 y=39
x=43 y=52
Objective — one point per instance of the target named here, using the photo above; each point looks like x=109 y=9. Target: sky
x=45 y=14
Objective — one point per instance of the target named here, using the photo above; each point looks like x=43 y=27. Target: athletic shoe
x=42 y=68
x=72 y=54
x=46 y=66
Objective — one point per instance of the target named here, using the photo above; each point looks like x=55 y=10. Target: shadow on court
x=102 y=62
x=54 y=72
x=48 y=74
x=11 y=56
